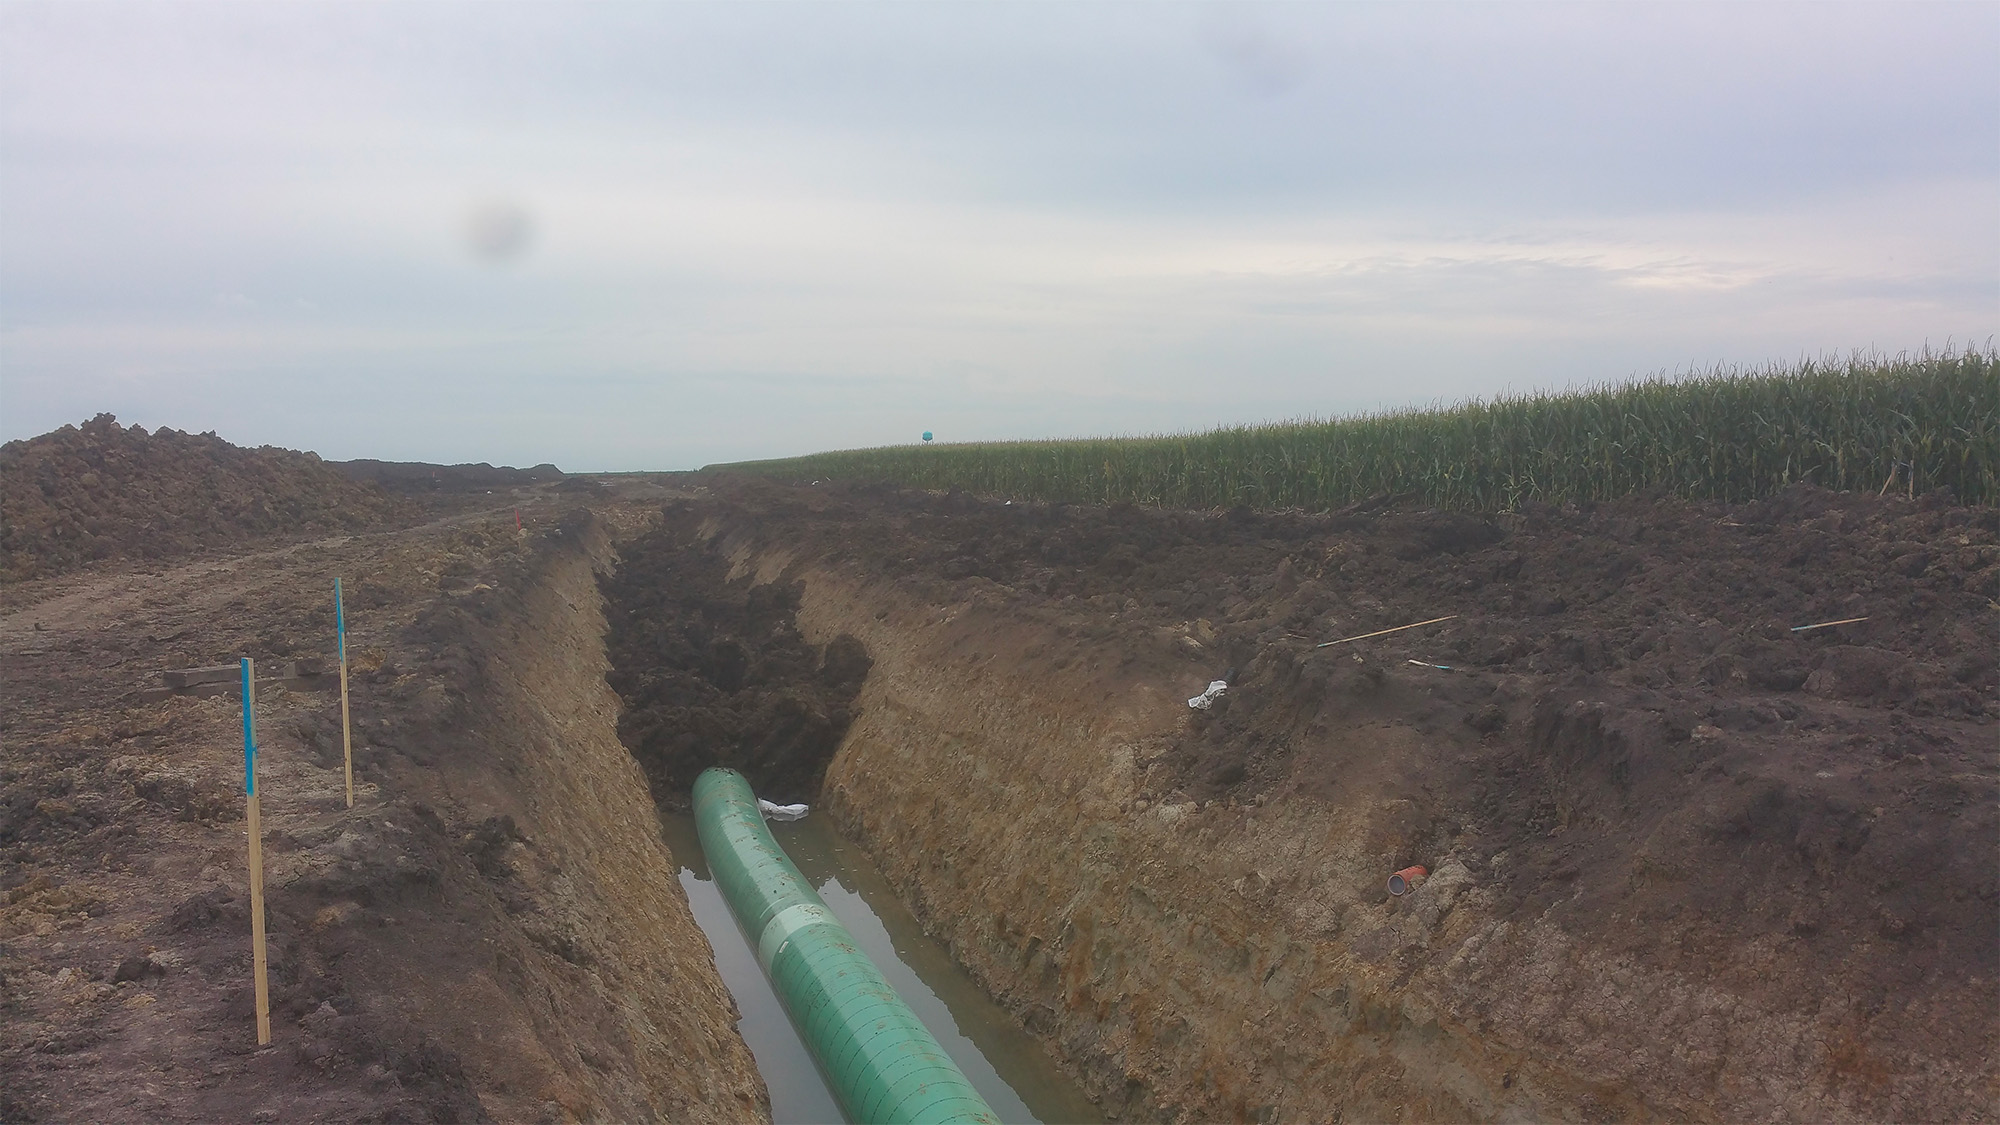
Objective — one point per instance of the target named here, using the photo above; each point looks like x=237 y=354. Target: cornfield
x=1917 y=422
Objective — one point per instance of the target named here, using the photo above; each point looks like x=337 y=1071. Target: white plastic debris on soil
x=780 y=812
x=1207 y=699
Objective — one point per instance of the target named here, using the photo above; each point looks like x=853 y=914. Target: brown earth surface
x=1688 y=862
x=494 y=931
x=101 y=491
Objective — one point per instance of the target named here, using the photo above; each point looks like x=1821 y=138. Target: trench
x=1007 y=1066
x=1195 y=942
x=712 y=670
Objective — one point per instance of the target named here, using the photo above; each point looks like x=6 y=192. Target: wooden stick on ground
x=1379 y=632
x=1824 y=624
x=346 y=731
x=257 y=955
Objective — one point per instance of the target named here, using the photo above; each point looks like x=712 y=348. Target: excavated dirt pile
x=713 y=671
x=420 y=478
x=103 y=491
x=1686 y=860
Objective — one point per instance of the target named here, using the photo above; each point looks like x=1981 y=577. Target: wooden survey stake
x=1382 y=632
x=257 y=956
x=346 y=732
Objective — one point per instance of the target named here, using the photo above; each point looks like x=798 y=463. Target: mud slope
x=493 y=931
x=1687 y=862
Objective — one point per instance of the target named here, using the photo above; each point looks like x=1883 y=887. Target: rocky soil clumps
x=101 y=491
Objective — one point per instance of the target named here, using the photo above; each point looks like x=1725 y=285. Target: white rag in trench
x=780 y=812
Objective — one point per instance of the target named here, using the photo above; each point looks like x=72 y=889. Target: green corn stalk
x=1727 y=434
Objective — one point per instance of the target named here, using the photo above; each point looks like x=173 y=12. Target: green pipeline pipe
x=882 y=1063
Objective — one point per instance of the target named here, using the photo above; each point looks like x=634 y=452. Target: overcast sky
x=656 y=235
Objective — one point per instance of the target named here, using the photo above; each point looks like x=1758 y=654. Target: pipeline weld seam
x=783 y=925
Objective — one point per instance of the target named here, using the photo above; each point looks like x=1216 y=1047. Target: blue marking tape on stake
x=339 y=621
x=249 y=737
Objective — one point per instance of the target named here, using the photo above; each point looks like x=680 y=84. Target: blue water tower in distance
x=927 y=435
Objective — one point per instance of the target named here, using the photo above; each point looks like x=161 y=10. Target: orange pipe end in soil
x=1406 y=880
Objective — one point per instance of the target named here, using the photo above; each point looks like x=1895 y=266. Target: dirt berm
x=1685 y=862
x=101 y=491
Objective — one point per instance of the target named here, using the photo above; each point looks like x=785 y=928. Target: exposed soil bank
x=494 y=931
x=713 y=671
x=1687 y=862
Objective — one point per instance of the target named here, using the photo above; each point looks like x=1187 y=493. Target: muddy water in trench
x=1008 y=1067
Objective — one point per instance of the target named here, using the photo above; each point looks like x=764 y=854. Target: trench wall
x=1225 y=961
x=614 y=1007
x=1150 y=944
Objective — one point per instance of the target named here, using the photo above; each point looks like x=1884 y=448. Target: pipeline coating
x=882 y=1064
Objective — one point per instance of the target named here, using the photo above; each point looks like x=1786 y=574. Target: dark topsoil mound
x=418 y=477
x=103 y=491
x=715 y=673
x=1629 y=720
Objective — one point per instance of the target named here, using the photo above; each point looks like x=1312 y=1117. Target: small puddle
x=1007 y=1066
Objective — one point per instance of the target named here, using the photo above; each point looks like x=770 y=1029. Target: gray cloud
x=733 y=231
